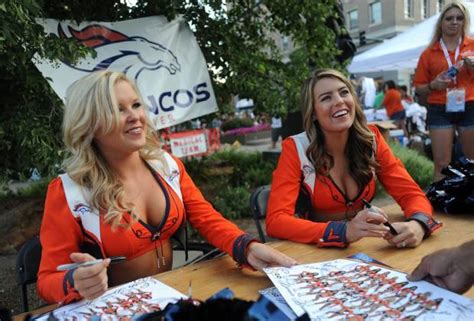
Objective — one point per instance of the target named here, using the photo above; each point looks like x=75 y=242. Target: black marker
x=387 y=223
x=71 y=266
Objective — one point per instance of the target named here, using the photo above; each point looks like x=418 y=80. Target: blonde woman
x=335 y=163
x=449 y=45
x=122 y=196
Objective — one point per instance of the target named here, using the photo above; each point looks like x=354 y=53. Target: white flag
x=163 y=58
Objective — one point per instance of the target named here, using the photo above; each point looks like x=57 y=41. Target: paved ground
x=261 y=145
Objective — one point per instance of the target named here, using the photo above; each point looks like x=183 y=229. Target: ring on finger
x=403 y=244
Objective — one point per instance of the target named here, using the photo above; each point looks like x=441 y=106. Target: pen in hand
x=71 y=266
x=386 y=223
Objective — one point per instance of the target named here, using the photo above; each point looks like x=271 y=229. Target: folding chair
x=187 y=252
x=27 y=265
x=258 y=207
x=196 y=252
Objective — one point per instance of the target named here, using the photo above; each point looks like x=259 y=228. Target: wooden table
x=211 y=276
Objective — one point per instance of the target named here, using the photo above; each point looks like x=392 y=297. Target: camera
x=451 y=72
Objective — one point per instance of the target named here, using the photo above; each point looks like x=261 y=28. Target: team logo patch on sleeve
x=307 y=169
x=174 y=174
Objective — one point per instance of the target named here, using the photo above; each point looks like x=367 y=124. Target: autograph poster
x=349 y=290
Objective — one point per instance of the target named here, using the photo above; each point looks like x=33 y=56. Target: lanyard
x=446 y=54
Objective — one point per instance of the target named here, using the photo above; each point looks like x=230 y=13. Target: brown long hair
x=466 y=23
x=359 y=148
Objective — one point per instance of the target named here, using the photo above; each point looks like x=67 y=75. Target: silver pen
x=71 y=266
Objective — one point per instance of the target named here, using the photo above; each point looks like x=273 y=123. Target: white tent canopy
x=401 y=51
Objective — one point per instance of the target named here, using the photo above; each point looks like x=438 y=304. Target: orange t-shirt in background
x=432 y=63
x=392 y=102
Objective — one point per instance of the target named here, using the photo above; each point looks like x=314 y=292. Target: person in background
x=451 y=268
x=356 y=84
x=196 y=123
x=404 y=94
x=368 y=91
x=122 y=195
x=333 y=166
x=216 y=122
x=393 y=104
x=276 y=129
x=379 y=96
x=450 y=44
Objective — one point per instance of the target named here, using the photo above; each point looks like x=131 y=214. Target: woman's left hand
x=260 y=256
x=410 y=234
x=469 y=61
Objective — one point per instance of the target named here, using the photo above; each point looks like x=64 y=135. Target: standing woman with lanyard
x=445 y=73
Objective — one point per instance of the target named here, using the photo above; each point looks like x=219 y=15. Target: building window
x=424 y=9
x=375 y=10
x=408 y=8
x=439 y=5
x=353 y=19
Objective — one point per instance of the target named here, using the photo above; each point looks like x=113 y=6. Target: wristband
x=68 y=282
x=426 y=221
x=334 y=235
x=239 y=250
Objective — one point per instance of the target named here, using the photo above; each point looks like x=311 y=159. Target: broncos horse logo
x=82 y=208
x=117 y=51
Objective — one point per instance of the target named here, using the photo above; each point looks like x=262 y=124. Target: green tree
x=236 y=40
x=30 y=114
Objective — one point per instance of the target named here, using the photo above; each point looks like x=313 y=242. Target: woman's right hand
x=367 y=223
x=91 y=281
x=441 y=82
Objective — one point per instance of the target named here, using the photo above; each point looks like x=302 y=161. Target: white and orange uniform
x=294 y=170
x=69 y=224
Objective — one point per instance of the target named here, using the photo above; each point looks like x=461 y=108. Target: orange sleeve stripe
x=57 y=222
x=397 y=181
x=281 y=221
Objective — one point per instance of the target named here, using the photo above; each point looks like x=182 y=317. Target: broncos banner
x=162 y=57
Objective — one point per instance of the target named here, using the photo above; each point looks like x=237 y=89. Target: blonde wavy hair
x=91 y=105
x=359 y=149
x=466 y=23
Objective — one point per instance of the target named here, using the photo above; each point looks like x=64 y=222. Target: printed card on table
x=137 y=297
x=275 y=296
x=349 y=290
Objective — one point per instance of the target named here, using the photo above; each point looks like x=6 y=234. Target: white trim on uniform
x=309 y=174
x=76 y=196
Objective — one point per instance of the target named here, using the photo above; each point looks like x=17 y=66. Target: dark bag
x=455 y=192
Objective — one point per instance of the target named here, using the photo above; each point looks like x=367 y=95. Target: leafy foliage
x=236 y=39
x=420 y=168
x=33 y=190
x=30 y=117
x=229 y=177
x=233 y=202
x=237 y=123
